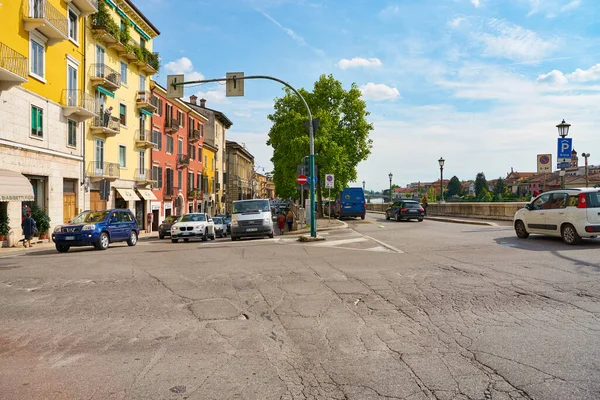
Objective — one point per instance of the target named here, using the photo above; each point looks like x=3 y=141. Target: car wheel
x=161 y=236
x=420 y=220
x=62 y=248
x=520 y=230
x=186 y=240
x=205 y=237
x=570 y=235
x=271 y=235
x=224 y=234
x=174 y=240
x=213 y=237
x=233 y=238
x=102 y=243
x=398 y=217
x=133 y=238
x=387 y=217
x=362 y=216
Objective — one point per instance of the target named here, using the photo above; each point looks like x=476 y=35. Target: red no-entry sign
x=302 y=179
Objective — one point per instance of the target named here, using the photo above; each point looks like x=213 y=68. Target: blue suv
x=98 y=229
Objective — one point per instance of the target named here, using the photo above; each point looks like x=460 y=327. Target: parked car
x=351 y=203
x=227 y=221
x=220 y=226
x=164 y=229
x=568 y=213
x=193 y=226
x=329 y=208
x=98 y=229
x=251 y=218
x=405 y=210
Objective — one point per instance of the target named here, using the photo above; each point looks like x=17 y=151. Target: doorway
x=155 y=221
x=69 y=200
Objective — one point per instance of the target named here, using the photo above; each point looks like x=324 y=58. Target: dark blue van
x=351 y=203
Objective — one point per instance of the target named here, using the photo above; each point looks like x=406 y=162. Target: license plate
x=412 y=211
x=69 y=237
x=347 y=206
x=185 y=233
x=251 y=229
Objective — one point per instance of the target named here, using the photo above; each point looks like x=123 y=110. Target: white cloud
x=553 y=77
x=379 y=91
x=552 y=8
x=359 y=62
x=514 y=42
x=216 y=96
x=570 y=6
x=455 y=23
x=476 y=3
x=184 y=66
x=585 y=75
x=390 y=11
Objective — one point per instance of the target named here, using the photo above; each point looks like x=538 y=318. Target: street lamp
x=441 y=161
x=587 y=178
x=390 y=175
x=364 y=186
x=563 y=131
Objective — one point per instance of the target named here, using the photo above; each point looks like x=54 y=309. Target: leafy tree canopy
x=500 y=187
x=454 y=187
x=480 y=184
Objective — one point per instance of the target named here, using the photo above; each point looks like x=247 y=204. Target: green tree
x=500 y=187
x=480 y=184
x=341 y=141
x=486 y=196
x=454 y=187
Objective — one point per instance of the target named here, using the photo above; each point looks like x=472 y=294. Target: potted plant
x=4 y=226
x=42 y=220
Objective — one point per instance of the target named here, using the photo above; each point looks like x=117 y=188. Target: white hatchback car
x=567 y=213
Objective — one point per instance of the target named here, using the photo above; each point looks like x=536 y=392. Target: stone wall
x=500 y=211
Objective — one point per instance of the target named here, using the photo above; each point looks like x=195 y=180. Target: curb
x=305 y=230
x=450 y=220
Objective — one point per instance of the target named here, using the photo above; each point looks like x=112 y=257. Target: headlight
x=88 y=227
x=234 y=222
x=173 y=228
x=267 y=221
x=57 y=229
x=199 y=228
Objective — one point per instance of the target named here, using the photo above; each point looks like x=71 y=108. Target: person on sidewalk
x=290 y=220
x=281 y=222
x=29 y=229
x=425 y=204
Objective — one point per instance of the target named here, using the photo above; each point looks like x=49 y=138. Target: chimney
x=203 y=103
x=193 y=99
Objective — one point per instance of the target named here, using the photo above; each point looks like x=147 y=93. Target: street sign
x=174 y=92
x=329 y=181
x=565 y=147
x=301 y=170
x=234 y=87
x=544 y=163
x=563 y=165
x=302 y=179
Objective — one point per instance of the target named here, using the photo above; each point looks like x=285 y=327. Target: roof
x=209 y=146
x=237 y=146
x=141 y=14
x=218 y=114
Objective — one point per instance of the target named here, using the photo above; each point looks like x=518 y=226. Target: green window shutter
x=34 y=119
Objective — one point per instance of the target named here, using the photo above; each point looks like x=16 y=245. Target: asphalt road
x=381 y=309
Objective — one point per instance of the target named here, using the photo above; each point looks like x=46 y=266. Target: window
x=157 y=175
x=169 y=178
x=158 y=103
x=122 y=156
x=142 y=83
x=179 y=179
x=72 y=133
x=38 y=54
x=123 y=114
x=190 y=181
x=142 y=43
x=199 y=181
x=180 y=118
x=157 y=138
x=199 y=154
x=168 y=111
x=205 y=161
x=73 y=25
x=190 y=125
x=191 y=151
x=123 y=73
x=169 y=144
x=180 y=146
x=37 y=122
x=142 y=162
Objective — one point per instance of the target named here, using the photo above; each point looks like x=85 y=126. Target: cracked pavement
x=460 y=312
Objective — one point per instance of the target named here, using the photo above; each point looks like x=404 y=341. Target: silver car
x=220 y=227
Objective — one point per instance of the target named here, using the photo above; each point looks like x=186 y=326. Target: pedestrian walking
x=281 y=222
x=290 y=220
x=29 y=229
x=107 y=114
x=425 y=204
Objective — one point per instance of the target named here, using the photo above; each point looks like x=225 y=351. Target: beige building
x=240 y=173
x=215 y=132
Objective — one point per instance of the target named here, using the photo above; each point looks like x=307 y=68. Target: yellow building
x=43 y=103
x=119 y=64
x=210 y=167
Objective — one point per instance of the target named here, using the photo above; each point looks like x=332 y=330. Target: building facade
x=240 y=173
x=119 y=64
x=178 y=158
x=44 y=104
x=215 y=136
x=210 y=172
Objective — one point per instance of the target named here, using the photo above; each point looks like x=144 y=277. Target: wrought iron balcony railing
x=171 y=125
x=78 y=103
x=43 y=16
x=14 y=63
x=104 y=170
x=106 y=124
x=104 y=75
x=183 y=160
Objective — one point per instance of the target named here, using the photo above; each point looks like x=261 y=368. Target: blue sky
x=481 y=83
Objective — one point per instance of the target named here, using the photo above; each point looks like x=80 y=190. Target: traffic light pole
x=313 y=197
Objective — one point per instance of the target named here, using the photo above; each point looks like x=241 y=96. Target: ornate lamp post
x=563 y=131
x=390 y=175
x=441 y=162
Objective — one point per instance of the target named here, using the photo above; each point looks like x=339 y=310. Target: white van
x=251 y=218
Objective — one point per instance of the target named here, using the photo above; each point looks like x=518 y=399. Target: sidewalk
x=48 y=244
x=323 y=224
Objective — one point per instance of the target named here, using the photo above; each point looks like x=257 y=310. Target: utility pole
x=587 y=178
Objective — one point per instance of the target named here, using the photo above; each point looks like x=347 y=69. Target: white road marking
x=387 y=246
x=339 y=242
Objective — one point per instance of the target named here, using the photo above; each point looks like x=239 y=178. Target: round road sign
x=544 y=159
x=329 y=178
x=302 y=179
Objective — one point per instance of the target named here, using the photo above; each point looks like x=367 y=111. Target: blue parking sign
x=565 y=147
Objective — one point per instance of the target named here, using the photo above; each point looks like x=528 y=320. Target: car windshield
x=250 y=206
x=193 y=218
x=90 y=217
x=171 y=219
x=218 y=220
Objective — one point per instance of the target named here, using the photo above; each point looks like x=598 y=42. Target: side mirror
x=528 y=206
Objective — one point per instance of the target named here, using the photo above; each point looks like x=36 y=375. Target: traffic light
x=307 y=166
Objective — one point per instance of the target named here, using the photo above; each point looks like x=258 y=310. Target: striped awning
x=105 y=91
x=146 y=112
x=14 y=186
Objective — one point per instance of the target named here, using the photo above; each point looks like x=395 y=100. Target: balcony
x=108 y=126
x=105 y=28
x=146 y=60
x=144 y=101
x=78 y=105
x=85 y=7
x=183 y=160
x=102 y=74
x=171 y=125
x=143 y=139
x=169 y=192
x=144 y=177
x=42 y=16
x=194 y=136
x=129 y=52
x=103 y=170
x=195 y=194
x=13 y=67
